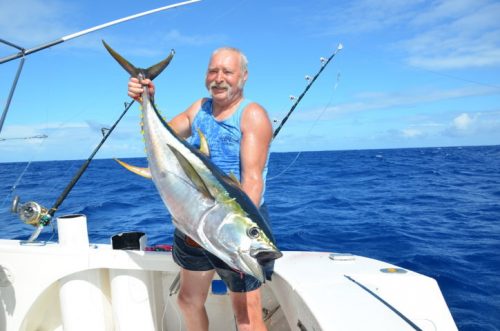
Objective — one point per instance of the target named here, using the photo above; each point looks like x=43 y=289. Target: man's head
x=226 y=74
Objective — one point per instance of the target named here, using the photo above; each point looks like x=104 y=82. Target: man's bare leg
x=192 y=296
x=247 y=308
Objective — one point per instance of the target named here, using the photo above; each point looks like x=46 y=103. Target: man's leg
x=247 y=308
x=192 y=296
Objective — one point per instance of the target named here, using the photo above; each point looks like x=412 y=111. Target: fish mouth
x=261 y=263
x=265 y=257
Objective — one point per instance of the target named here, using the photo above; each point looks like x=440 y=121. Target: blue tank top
x=223 y=137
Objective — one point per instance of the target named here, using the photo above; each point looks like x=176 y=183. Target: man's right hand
x=135 y=88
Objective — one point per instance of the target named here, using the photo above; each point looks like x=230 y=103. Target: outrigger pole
x=310 y=82
x=12 y=88
x=23 y=52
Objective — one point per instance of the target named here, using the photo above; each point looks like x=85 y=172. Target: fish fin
x=203 y=144
x=144 y=172
x=232 y=180
x=191 y=172
x=150 y=73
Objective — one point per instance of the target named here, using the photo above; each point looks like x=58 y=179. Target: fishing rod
x=324 y=63
x=35 y=214
x=23 y=52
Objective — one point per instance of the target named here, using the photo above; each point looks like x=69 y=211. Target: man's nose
x=220 y=77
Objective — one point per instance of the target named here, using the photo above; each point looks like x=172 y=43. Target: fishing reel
x=31 y=212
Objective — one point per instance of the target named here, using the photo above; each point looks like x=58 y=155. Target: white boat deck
x=73 y=285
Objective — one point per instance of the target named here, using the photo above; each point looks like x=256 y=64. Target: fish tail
x=150 y=73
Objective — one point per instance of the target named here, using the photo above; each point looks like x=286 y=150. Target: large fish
x=205 y=204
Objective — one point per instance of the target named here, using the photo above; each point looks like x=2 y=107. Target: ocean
x=435 y=211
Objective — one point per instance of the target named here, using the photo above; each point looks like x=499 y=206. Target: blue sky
x=411 y=73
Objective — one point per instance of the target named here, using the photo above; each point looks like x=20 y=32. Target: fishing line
x=35 y=214
x=23 y=172
x=174 y=307
x=40 y=136
x=447 y=75
x=14 y=186
x=85 y=165
x=53 y=185
x=375 y=57
x=310 y=81
x=387 y=304
x=325 y=108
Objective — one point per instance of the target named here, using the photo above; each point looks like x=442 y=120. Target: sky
x=410 y=73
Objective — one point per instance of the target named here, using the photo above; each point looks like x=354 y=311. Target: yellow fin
x=203 y=144
x=235 y=180
x=143 y=172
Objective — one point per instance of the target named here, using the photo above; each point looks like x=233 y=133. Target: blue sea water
x=432 y=210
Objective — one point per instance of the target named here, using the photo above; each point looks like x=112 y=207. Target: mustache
x=219 y=85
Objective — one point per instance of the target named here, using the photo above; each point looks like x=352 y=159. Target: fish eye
x=253 y=232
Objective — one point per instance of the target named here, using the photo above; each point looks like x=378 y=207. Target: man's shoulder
x=195 y=107
x=254 y=115
x=253 y=107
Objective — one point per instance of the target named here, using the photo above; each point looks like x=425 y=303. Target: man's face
x=224 y=79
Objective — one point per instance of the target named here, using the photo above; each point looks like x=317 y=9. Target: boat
x=72 y=285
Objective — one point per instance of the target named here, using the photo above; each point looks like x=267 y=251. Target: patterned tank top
x=223 y=138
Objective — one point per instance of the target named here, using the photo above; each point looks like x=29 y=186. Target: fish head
x=253 y=249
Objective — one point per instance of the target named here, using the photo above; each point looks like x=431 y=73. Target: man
x=239 y=133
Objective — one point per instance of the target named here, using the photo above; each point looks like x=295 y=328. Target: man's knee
x=189 y=302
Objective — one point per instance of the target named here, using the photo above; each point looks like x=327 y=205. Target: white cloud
x=473 y=124
x=436 y=35
x=463 y=122
x=451 y=34
x=377 y=100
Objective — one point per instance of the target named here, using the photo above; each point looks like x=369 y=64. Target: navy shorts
x=193 y=258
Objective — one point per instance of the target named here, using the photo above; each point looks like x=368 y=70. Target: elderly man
x=238 y=133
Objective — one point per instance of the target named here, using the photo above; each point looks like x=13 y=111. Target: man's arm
x=182 y=122
x=256 y=138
